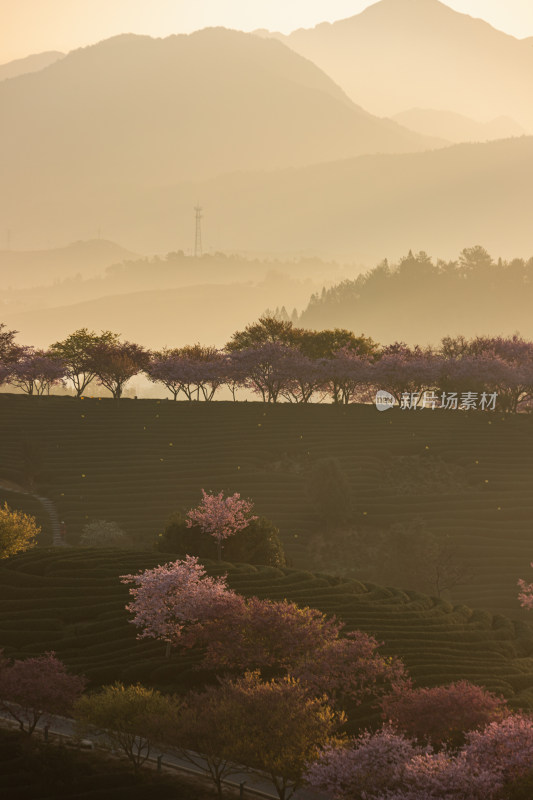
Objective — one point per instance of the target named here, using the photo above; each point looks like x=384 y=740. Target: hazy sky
x=31 y=26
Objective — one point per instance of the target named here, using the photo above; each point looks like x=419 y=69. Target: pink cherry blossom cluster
x=167 y=597
x=179 y=604
x=442 y=714
x=369 y=766
x=505 y=746
x=35 y=688
x=36 y=371
x=526 y=593
x=386 y=765
x=302 y=642
x=221 y=516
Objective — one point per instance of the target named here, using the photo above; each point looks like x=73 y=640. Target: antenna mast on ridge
x=198 y=237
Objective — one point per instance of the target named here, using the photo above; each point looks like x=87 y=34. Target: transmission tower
x=198 y=237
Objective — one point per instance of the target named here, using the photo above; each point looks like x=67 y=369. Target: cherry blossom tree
x=32 y=689
x=485 y=373
x=502 y=364
x=349 y=666
x=505 y=747
x=37 y=371
x=442 y=714
x=492 y=758
x=234 y=371
x=168 y=597
x=302 y=377
x=264 y=368
x=366 y=767
x=207 y=368
x=179 y=604
x=163 y=368
x=114 y=363
x=401 y=370
x=510 y=348
x=443 y=776
x=302 y=642
x=526 y=593
x=221 y=516
x=347 y=374
x=195 y=371
x=386 y=765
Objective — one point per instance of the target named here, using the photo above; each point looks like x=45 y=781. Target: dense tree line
x=423 y=297
x=278 y=362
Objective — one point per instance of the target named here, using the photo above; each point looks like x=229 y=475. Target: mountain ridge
x=32 y=63
x=24 y=268
x=456 y=127
x=376 y=57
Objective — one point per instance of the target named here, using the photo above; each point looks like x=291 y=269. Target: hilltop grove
x=279 y=362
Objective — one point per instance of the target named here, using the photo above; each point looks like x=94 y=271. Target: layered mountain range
x=285 y=141
x=403 y=54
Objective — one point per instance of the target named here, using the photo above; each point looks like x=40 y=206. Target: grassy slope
x=137 y=461
x=71 y=601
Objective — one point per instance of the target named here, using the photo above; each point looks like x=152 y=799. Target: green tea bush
x=258 y=543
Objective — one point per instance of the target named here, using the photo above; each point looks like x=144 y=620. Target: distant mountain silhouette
x=133 y=111
x=33 y=63
x=173 y=317
x=363 y=209
x=401 y=54
x=25 y=268
x=456 y=127
x=293 y=281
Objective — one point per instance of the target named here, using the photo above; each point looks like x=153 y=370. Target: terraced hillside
x=71 y=601
x=468 y=475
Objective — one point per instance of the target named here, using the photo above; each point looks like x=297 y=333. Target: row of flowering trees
x=279 y=362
